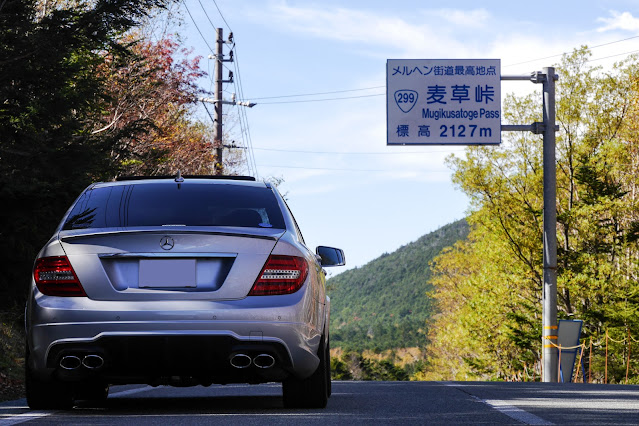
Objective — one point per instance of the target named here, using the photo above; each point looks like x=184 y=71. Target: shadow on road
x=173 y=404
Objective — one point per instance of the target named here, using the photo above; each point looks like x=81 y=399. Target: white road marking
x=131 y=391
x=14 y=419
x=518 y=414
x=506 y=407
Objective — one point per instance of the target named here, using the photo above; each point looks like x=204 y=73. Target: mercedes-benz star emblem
x=167 y=243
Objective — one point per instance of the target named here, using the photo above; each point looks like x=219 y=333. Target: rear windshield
x=187 y=204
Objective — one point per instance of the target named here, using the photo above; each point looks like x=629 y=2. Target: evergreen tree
x=50 y=91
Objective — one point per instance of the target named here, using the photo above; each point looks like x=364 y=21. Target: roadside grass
x=11 y=355
x=398 y=364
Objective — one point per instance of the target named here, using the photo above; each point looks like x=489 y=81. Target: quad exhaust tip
x=70 y=362
x=264 y=361
x=241 y=361
x=93 y=362
x=245 y=361
x=73 y=362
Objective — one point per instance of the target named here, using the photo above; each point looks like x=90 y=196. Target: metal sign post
x=550 y=354
x=458 y=102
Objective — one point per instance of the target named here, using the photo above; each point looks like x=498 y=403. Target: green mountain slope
x=384 y=304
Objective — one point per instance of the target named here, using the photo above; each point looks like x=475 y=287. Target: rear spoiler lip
x=172 y=255
x=258 y=233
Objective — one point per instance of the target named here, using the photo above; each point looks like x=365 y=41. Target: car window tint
x=96 y=208
x=185 y=204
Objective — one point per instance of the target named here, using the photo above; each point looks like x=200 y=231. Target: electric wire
x=220 y=12
x=245 y=129
x=322 y=100
x=379 y=87
x=319 y=93
x=214 y=29
x=384 y=94
x=242 y=116
x=243 y=119
x=208 y=112
x=612 y=56
x=358 y=153
x=196 y=27
x=343 y=170
x=206 y=14
x=561 y=54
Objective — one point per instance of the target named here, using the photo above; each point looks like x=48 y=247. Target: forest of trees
x=90 y=90
x=489 y=287
x=384 y=304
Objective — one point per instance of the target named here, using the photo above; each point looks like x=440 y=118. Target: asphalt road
x=352 y=403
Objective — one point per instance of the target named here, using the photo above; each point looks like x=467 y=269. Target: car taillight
x=280 y=275
x=54 y=276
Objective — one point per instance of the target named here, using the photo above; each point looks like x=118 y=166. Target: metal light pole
x=550 y=353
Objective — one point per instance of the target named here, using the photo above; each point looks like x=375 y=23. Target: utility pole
x=217 y=94
x=218 y=100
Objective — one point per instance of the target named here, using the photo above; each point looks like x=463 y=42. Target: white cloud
x=619 y=21
x=436 y=30
x=463 y=18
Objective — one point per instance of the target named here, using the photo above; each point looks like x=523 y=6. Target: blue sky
x=345 y=186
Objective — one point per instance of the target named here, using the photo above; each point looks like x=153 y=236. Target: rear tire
x=312 y=392
x=49 y=394
x=329 y=384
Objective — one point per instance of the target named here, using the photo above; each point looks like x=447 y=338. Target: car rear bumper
x=158 y=342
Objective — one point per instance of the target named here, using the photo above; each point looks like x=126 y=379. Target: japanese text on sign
x=443 y=101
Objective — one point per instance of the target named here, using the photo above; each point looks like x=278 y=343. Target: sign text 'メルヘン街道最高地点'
x=443 y=101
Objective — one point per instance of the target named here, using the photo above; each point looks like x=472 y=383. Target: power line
x=243 y=119
x=206 y=14
x=565 y=53
x=343 y=170
x=384 y=94
x=208 y=112
x=319 y=93
x=352 y=153
x=220 y=12
x=321 y=168
x=245 y=132
x=612 y=56
x=379 y=87
x=244 y=126
x=322 y=100
x=196 y=27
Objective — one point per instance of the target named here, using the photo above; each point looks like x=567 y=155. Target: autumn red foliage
x=151 y=93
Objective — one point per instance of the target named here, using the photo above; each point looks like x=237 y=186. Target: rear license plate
x=164 y=273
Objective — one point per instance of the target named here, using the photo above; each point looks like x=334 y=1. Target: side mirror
x=331 y=256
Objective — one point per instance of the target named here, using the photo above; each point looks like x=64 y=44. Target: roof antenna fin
x=179 y=178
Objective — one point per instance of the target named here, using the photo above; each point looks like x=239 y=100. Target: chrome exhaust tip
x=93 y=362
x=241 y=361
x=264 y=361
x=70 y=362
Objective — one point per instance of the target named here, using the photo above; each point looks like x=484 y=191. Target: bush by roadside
x=390 y=365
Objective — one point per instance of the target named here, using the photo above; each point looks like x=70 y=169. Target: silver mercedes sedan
x=178 y=281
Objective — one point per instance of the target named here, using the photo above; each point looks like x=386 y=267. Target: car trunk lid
x=161 y=263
